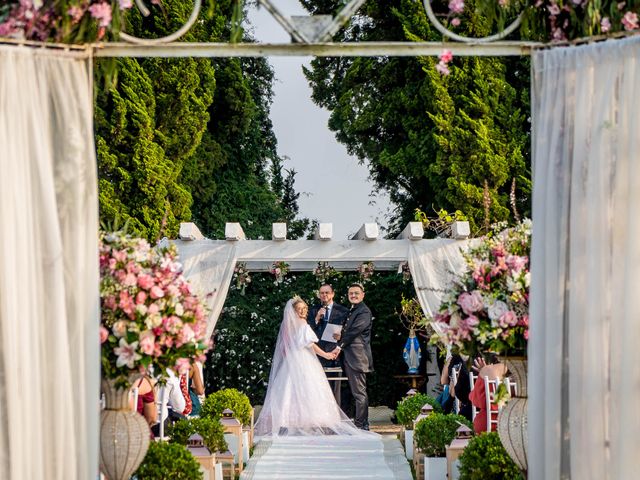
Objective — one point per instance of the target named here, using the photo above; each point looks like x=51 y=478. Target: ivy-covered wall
x=247 y=329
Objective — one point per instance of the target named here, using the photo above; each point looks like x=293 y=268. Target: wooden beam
x=344 y=49
x=279 y=231
x=189 y=231
x=368 y=231
x=233 y=232
x=413 y=231
x=323 y=232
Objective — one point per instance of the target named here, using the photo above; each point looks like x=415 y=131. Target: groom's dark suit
x=355 y=344
x=337 y=316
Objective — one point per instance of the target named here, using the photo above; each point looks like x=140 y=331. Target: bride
x=299 y=400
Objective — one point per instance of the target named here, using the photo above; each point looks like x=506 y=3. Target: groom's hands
x=335 y=352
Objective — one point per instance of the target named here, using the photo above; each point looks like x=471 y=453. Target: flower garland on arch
x=365 y=270
x=242 y=276
x=279 y=270
x=323 y=272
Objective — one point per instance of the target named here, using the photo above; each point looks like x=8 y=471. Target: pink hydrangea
x=630 y=21
x=471 y=302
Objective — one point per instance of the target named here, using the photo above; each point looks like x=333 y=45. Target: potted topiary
x=406 y=412
x=432 y=435
x=208 y=428
x=486 y=459
x=168 y=460
x=230 y=398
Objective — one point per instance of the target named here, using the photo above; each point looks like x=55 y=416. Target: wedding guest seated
x=196 y=389
x=459 y=388
x=146 y=400
x=492 y=369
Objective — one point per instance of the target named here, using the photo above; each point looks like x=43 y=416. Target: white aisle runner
x=327 y=457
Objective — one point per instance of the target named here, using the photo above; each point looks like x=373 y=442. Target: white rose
x=513 y=285
x=497 y=309
x=179 y=309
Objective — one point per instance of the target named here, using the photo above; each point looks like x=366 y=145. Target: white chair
x=472 y=383
x=453 y=381
x=490 y=387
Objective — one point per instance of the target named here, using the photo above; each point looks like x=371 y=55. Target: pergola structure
x=304 y=255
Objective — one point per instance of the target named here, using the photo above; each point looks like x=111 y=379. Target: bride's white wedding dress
x=299 y=400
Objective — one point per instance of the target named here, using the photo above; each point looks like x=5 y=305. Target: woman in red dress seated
x=493 y=370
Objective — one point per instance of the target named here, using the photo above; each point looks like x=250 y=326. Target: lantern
x=203 y=456
x=233 y=428
x=458 y=444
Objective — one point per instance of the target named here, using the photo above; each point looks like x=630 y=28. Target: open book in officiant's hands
x=329 y=331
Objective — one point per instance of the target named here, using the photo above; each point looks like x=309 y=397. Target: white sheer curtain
x=209 y=267
x=434 y=265
x=49 y=299
x=584 y=420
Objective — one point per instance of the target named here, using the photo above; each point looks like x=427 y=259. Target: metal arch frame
x=312 y=40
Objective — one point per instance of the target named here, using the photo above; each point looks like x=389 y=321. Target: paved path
x=328 y=457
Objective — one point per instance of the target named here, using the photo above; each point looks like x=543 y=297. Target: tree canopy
x=430 y=141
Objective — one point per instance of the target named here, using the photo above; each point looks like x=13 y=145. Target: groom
x=355 y=345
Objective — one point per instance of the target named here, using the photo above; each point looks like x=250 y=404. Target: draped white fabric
x=433 y=266
x=583 y=405
x=209 y=266
x=49 y=297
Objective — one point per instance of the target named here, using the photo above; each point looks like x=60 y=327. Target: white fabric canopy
x=209 y=265
x=434 y=265
x=49 y=298
x=585 y=330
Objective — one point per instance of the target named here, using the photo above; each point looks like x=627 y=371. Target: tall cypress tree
x=430 y=141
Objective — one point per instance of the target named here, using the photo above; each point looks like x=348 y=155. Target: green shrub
x=486 y=459
x=168 y=461
x=231 y=398
x=434 y=433
x=208 y=428
x=409 y=408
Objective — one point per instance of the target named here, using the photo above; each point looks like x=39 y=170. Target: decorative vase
x=512 y=420
x=411 y=353
x=124 y=434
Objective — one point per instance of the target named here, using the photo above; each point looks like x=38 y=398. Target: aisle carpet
x=328 y=457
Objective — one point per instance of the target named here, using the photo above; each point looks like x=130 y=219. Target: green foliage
x=408 y=409
x=210 y=429
x=434 y=433
x=248 y=326
x=485 y=458
x=429 y=141
x=216 y=402
x=168 y=461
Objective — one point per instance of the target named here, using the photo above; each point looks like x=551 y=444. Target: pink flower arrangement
x=150 y=317
x=366 y=270
x=279 y=270
x=242 y=276
x=487 y=308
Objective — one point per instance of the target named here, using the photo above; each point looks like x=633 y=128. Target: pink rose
x=472 y=321
x=145 y=281
x=147 y=342
x=183 y=365
x=455 y=21
x=141 y=297
x=446 y=56
x=471 y=302
x=605 y=25
x=119 y=328
x=508 y=319
x=156 y=292
x=630 y=21
x=104 y=334
x=456 y=6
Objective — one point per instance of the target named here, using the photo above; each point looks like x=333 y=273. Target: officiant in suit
x=355 y=345
x=327 y=312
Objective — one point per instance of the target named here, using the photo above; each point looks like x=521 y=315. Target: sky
x=334 y=187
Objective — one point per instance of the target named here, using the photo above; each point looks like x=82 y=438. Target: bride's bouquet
x=150 y=316
x=487 y=308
